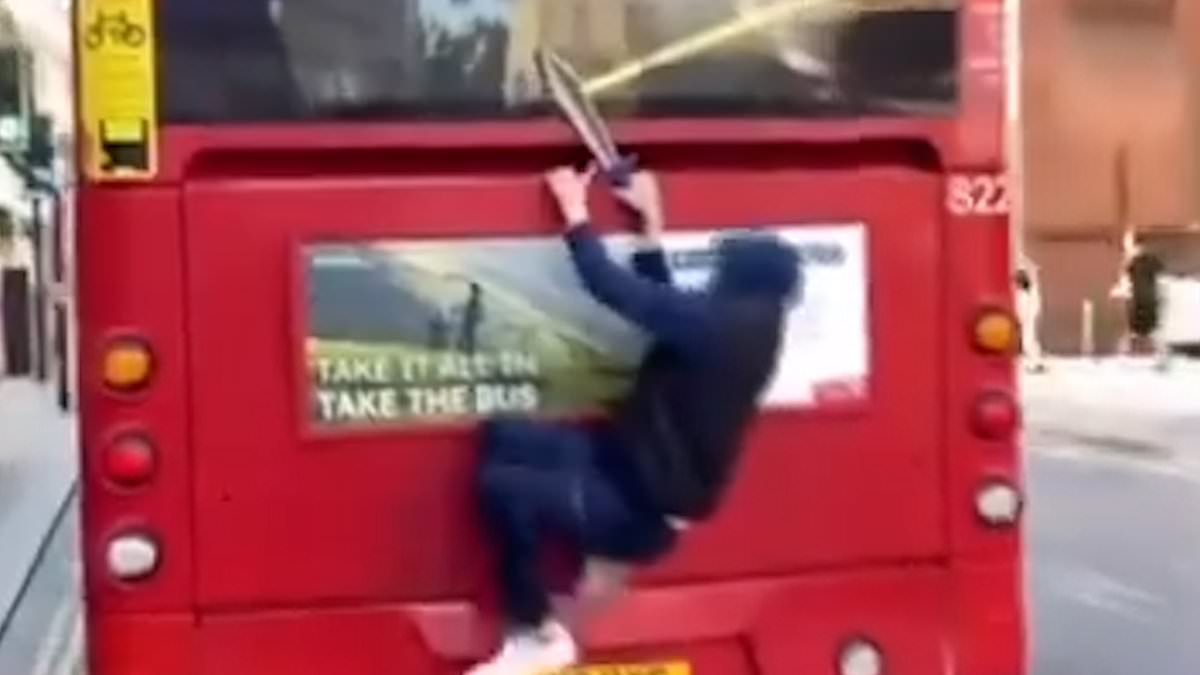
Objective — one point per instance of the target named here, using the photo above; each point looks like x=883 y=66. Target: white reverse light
x=860 y=657
x=998 y=504
x=132 y=556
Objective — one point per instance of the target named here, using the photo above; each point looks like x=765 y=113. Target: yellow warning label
x=117 y=74
x=673 y=668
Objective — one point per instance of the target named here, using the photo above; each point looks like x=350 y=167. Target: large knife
x=565 y=87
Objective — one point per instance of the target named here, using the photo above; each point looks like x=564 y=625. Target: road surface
x=1114 y=519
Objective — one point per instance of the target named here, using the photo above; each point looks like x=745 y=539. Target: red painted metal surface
x=312 y=507
x=142 y=644
x=296 y=534
x=762 y=626
x=131 y=282
x=289 y=553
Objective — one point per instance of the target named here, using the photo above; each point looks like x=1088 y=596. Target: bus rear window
x=279 y=60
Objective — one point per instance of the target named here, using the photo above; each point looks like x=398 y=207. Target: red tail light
x=129 y=461
x=995 y=415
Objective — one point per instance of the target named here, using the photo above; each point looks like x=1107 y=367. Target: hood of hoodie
x=758 y=265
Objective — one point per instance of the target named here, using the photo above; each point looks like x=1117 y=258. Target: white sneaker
x=532 y=652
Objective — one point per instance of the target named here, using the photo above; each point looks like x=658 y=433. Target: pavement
x=1114 y=518
x=1118 y=412
x=38 y=466
x=45 y=635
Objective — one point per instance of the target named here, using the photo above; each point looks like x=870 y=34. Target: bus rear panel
x=342 y=258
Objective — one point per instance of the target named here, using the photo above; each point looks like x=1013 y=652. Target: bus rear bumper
x=966 y=620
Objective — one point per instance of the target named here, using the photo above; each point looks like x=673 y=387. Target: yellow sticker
x=118 y=102
x=673 y=668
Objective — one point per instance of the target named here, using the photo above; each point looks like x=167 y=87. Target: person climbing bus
x=625 y=490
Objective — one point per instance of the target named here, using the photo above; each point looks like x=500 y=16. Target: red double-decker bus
x=315 y=251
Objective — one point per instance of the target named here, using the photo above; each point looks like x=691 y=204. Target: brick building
x=1111 y=140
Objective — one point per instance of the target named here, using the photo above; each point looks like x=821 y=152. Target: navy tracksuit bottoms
x=537 y=478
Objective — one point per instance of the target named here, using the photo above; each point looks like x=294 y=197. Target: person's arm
x=659 y=308
x=650 y=262
x=643 y=197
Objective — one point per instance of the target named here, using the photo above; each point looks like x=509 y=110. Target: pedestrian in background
x=1141 y=288
x=1029 y=313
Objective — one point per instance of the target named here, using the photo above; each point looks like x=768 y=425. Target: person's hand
x=570 y=188
x=644 y=197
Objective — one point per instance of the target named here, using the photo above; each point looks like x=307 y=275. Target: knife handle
x=621 y=172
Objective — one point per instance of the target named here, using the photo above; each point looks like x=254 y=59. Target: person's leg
x=1162 y=350
x=524 y=442
x=1129 y=339
x=537 y=478
x=618 y=534
x=1030 y=344
x=601 y=583
x=521 y=503
x=1144 y=324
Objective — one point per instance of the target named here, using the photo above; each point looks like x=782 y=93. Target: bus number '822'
x=978 y=195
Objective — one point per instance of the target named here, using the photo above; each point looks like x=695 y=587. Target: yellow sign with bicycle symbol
x=117 y=79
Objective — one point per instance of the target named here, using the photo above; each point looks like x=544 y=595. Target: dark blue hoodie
x=712 y=356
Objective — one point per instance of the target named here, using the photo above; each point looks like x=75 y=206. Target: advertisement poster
x=417 y=332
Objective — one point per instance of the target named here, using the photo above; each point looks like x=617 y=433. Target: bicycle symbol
x=116 y=28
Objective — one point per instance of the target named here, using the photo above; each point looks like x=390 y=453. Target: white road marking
x=1092 y=588
x=1181 y=469
x=72 y=656
x=56 y=635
